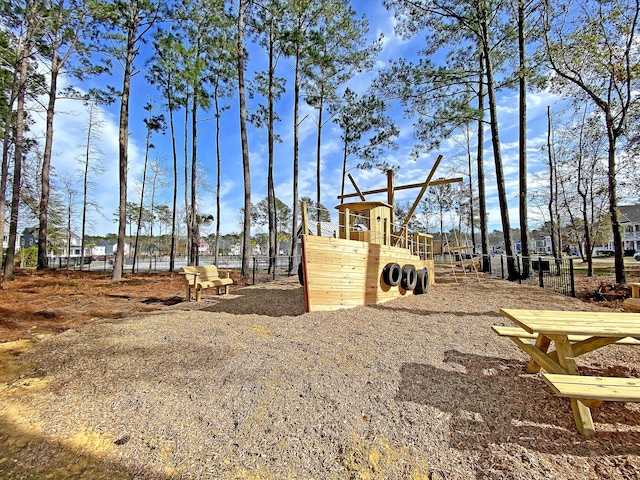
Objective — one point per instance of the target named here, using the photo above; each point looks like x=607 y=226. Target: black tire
x=300 y=274
x=409 y=277
x=422 y=285
x=392 y=274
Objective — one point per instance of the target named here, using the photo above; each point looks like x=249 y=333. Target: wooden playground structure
x=367 y=260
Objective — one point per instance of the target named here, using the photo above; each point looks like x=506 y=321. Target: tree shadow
x=494 y=402
x=27 y=454
x=259 y=301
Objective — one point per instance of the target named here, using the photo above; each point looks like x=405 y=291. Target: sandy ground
x=249 y=386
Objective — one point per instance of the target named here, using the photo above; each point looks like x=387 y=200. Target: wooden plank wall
x=341 y=273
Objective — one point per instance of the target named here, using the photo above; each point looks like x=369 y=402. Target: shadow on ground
x=253 y=300
x=494 y=394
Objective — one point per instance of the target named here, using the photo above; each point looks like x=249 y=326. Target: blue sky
x=71 y=120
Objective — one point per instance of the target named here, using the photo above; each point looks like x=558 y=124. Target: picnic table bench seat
x=584 y=387
x=199 y=278
x=565 y=330
x=633 y=303
x=517 y=332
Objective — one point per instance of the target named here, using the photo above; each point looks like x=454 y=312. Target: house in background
x=5 y=237
x=629 y=219
x=541 y=244
x=235 y=249
x=108 y=248
x=65 y=244
x=29 y=237
x=203 y=247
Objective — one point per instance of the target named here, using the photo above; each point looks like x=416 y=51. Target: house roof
x=327 y=229
x=629 y=213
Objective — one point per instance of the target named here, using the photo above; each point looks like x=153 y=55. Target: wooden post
x=346 y=223
x=390 y=194
x=305 y=218
x=387 y=232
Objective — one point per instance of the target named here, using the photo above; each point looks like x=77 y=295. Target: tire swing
x=391 y=274
x=300 y=274
x=409 y=277
x=422 y=285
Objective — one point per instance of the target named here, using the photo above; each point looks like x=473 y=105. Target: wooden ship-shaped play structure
x=367 y=261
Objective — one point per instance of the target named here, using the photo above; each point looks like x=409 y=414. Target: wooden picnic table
x=573 y=334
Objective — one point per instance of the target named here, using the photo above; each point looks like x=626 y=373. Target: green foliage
x=441 y=95
x=317 y=211
x=29 y=256
x=260 y=214
x=366 y=131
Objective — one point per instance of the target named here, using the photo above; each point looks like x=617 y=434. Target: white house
x=105 y=248
x=5 y=237
x=629 y=220
x=541 y=245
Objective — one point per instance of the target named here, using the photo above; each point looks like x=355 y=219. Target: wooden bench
x=517 y=332
x=201 y=277
x=633 y=303
x=582 y=387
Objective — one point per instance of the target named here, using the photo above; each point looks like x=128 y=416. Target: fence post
x=540 y=272
x=519 y=270
x=573 y=283
x=254 y=271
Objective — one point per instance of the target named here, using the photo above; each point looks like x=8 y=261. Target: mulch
x=248 y=385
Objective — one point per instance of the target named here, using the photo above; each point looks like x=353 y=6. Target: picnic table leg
x=187 y=292
x=542 y=344
x=581 y=412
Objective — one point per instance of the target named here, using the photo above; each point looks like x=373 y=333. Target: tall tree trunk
x=46 y=166
x=586 y=222
x=522 y=144
x=187 y=208
x=471 y=204
x=85 y=183
x=17 y=162
x=218 y=162
x=271 y=196
x=4 y=172
x=621 y=277
x=123 y=139
x=497 y=154
x=482 y=200
x=552 y=190
x=174 y=205
x=195 y=234
x=296 y=147
x=318 y=156
x=246 y=240
x=144 y=181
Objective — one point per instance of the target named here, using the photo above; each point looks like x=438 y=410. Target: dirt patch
x=52 y=301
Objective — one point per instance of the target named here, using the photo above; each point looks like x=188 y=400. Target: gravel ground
x=250 y=386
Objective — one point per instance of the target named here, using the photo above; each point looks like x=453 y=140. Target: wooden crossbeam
x=439 y=181
x=422 y=190
x=358 y=192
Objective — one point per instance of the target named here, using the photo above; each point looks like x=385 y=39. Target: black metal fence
x=555 y=274
x=271 y=268
x=549 y=273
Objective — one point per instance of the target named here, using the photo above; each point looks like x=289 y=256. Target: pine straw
x=249 y=386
